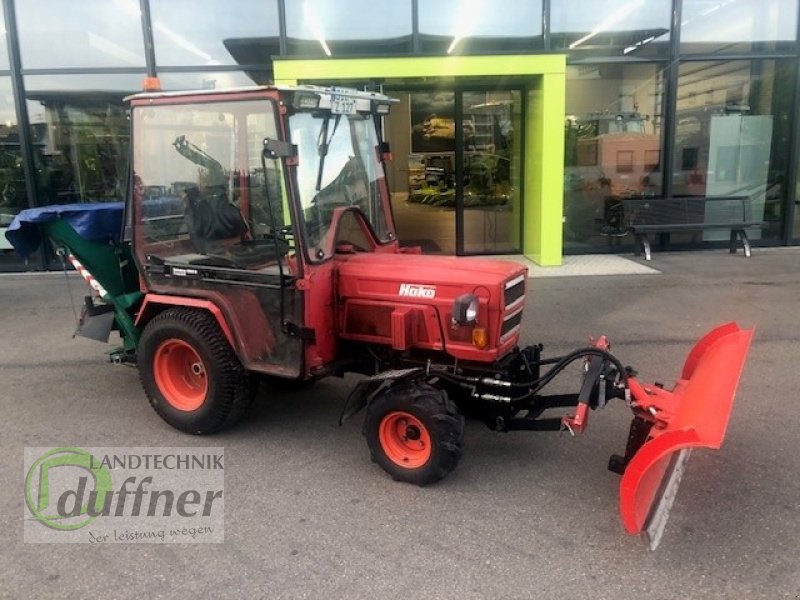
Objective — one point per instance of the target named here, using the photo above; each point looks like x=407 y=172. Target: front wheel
x=190 y=373
x=414 y=432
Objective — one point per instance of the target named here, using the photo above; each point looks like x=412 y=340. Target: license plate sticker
x=343 y=105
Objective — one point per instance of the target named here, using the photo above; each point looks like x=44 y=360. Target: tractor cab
x=238 y=195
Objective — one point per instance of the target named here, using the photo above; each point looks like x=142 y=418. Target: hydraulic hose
x=535 y=385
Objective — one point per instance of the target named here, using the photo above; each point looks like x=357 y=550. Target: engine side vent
x=510 y=325
x=514 y=292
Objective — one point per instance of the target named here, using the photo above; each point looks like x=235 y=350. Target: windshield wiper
x=323 y=143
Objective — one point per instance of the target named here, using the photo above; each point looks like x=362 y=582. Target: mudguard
x=694 y=414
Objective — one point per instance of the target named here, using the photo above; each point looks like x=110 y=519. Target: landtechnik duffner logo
x=124 y=495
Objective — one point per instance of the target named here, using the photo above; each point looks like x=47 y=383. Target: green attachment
x=113 y=267
x=106 y=262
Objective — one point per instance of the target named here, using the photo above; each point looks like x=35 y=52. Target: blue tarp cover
x=97 y=222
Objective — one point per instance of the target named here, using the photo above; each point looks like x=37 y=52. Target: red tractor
x=258 y=240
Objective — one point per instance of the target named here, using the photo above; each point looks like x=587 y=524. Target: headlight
x=465 y=309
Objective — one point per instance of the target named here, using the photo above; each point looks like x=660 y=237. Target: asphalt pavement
x=525 y=515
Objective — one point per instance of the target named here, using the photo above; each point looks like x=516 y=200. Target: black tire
x=437 y=414
x=229 y=388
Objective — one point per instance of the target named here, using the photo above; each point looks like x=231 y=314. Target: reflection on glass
x=423 y=170
x=732 y=134
x=338 y=168
x=612 y=147
x=319 y=28
x=213 y=80
x=200 y=174
x=13 y=197
x=216 y=32
x=80 y=134
x=421 y=131
x=796 y=224
x=492 y=127
x=479 y=26
x=90 y=33
x=738 y=26
x=634 y=28
x=3 y=42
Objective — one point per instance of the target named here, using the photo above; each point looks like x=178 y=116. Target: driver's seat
x=219 y=232
x=212 y=218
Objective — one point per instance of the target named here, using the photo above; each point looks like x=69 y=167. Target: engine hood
x=407 y=301
x=441 y=274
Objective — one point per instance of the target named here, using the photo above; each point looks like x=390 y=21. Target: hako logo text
x=417 y=291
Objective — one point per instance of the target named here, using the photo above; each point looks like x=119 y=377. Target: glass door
x=457 y=189
x=488 y=171
x=421 y=131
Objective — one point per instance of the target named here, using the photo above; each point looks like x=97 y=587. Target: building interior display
x=426 y=194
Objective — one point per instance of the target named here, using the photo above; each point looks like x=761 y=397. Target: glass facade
x=211 y=80
x=664 y=98
x=215 y=33
x=3 y=41
x=13 y=197
x=79 y=133
x=479 y=26
x=732 y=135
x=491 y=157
x=422 y=182
x=357 y=27
x=726 y=27
x=794 y=211
x=635 y=29
x=613 y=138
x=90 y=33
x=456 y=192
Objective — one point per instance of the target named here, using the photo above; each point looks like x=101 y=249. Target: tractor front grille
x=511 y=324
x=514 y=300
x=514 y=292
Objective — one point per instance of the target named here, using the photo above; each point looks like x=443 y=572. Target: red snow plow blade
x=668 y=424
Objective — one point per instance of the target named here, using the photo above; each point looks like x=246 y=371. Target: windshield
x=338 y=167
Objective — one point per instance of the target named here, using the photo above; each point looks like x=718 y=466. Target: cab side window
x=203 y=196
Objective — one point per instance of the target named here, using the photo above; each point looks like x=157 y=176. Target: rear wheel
x=414 y=432
x=190 y=373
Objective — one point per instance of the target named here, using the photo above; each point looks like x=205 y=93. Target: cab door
x=209 y=219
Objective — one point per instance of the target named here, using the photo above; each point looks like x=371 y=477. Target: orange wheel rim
x=405 y=440
x=180 y=374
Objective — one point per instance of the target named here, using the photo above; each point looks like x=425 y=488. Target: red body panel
x=146 y=310
x=236 y=311
x=371 y=286
x=318 y=297
x=694 y=414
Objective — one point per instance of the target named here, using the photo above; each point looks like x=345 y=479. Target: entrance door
x=457 y=190
x=488 y=178
x=421 y=131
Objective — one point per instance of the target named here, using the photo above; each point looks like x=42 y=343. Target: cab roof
x=316 y=89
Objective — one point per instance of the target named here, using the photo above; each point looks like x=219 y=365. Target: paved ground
x=581 y=265
x=523 y=516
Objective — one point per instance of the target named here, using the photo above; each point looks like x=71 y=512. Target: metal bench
x=666 y=215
